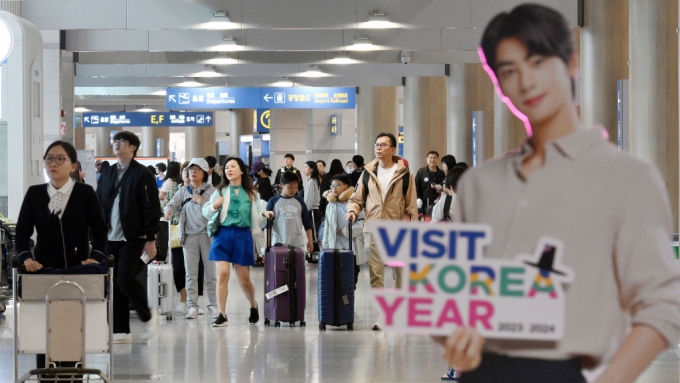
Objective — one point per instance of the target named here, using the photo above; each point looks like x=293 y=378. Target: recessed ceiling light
x=190 y=82
x=285 y=82
x=145 y=109
x=362 y=43
x=208 y=71
x=80 y=109
x=228 y=44
x=222 y=60
x=219 y=20
x=313 y=71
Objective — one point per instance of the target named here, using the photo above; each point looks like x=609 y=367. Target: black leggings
x=179 y=273
x=503 y=369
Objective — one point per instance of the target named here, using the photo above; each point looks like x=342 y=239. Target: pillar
x=148 y=142
x=200 y=142
x=654 y=88
x=103 y=137
x=468 y=89
x=377 y=111
x=288 y=135
x=79 y=137
x=604 y=61
x=321 y=145
x=508 y=131
x=424 y=118
x=51 y=107
x=242 y=123
x=67 y=98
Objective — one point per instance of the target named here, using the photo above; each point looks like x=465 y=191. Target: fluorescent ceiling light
x=159 y=93
x=246 y=138
x=219 y=20
x=313 y=71
x=341 y=58
x=378 y=19
x=80 y=109
x=145 y=110
x=266 y=137
x=362 y=43
x=285 y=82
x=224 y=60
x=228 y=44
x=208 y=71
x=190 y=82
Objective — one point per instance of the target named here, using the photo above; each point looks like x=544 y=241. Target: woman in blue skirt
x=235 y=214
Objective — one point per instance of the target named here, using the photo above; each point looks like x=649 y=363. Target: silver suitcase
x=160 y=288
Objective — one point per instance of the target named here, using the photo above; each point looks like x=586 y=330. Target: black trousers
x=179 y=273
x=503 y=369
x=127 y=288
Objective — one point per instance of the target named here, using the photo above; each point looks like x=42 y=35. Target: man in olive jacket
x=129 y=197
x=386 y=190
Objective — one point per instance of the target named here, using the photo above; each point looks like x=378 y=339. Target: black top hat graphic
x=546 y=261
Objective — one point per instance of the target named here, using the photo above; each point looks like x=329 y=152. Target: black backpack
x=405 y=183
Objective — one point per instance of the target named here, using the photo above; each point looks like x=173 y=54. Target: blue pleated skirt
x=233 y=244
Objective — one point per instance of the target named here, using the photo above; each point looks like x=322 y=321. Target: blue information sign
x=263 y=117
x=123 y=119
x=260 y=98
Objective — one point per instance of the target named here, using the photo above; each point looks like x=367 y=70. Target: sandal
x=259 y=262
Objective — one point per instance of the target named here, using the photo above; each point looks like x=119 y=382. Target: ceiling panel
x=299 y=14
x=181 y=14
x=461 y=39
x=420 y=13
x=397 y=39
x=81 y=14
x=111 y=70
x=294 y=40
x=193 y=40
x=107 y=40
x=484 y=10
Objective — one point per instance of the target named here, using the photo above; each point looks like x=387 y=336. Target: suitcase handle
x=161 y=290
x=350 y=222
x=268 y=231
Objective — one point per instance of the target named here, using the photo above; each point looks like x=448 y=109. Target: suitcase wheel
x=277 y=324
x=303 y=324
x=267 y=322
x=292 y=324
x=168 y=317
x=350 y=327
x=322 y=327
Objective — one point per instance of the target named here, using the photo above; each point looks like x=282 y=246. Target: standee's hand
x=32 y=266
x=463 y=348
x=89 y=261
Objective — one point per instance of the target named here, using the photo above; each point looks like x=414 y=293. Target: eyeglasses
x=121 y=140
x=195 y=169
x=334 y=186
x=381 y=145
x=58 y=160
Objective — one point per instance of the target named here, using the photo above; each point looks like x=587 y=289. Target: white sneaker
x=181 y=308
x=151 y=326
x=213 y=312
x=193 y=313
x=201 y=312
x=122 y=338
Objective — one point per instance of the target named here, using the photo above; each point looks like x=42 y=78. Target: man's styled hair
x=393 y=141
x=129 y=137
x=322 y=162
x=161 y=166
x=212 y=161
x=288 y=177
x=543 y=30
x=432 y=152
x=358 y=161
x=288 y=155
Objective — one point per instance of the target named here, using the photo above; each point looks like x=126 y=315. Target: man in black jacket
x=214 y=179
x=354 y=176
x=288 y=160
x=425 y=178
x=129 y=197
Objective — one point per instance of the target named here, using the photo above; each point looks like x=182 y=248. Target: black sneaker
x=220 y=321
x=254 y=315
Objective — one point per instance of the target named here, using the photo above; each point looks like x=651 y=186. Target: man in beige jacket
x=386 y=190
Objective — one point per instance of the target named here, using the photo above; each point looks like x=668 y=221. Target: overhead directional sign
x=123 y=119
x=260 y=98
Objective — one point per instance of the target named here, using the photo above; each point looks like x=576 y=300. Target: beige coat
x=396 y=206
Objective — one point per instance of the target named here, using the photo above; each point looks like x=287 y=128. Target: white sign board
x=87 y=162
x=447 y=283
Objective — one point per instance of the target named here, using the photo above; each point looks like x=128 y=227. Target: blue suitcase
x=336 y=287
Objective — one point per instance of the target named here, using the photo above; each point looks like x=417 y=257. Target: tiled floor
x=192 y=351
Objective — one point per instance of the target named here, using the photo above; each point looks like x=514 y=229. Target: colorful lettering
x=472 y=237
x=429 y=240
x=477 y=281
x=543 y=284
x=417 y=277
x=450 y=314
x=461 y=279
x=414 y=312
x=388 y=309
x=480 y=311
x=507 y=281
x=393 y=248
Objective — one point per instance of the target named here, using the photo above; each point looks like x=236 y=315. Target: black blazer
x=140 y=208
x=61 y=243
x=264 y=187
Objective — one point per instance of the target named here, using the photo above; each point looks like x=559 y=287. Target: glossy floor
x=192 y=351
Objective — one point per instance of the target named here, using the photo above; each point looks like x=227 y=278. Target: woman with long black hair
x=173 y=178
x=261 y=174
x=312 y=195
x=235 y=214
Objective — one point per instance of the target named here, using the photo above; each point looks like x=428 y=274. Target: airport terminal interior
x=315 y=80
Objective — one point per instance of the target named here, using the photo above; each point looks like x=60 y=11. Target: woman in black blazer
x=62 y=212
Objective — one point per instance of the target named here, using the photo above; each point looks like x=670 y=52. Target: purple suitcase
x=284 y=266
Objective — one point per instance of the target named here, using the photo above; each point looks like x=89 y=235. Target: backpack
x=447 y=208
x=365 y=176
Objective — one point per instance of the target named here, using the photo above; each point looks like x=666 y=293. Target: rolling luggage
x=336 y=286
x=313 y=257
x=160 y=285
x=284 y=284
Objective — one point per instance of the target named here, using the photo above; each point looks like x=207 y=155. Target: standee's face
x=195 y=174
x=322 y=169
x=432 y=160
x=122 y=148
x=383 y=148
x=306 y=170
x=337 y=187
x=233 y=171
x=57 y=164
x=288 y=162
x=538 y=86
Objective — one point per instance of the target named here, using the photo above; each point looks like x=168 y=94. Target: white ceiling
x=152 y=44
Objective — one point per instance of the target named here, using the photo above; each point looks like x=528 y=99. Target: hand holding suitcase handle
x=350 y=222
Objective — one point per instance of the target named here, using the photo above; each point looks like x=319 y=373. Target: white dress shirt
x=59 y=197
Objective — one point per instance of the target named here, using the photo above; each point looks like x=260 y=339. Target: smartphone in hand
x=145 y=258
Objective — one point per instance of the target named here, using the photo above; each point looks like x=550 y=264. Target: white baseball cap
x=200 y=162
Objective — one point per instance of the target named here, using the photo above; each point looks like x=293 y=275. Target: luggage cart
x=65 y=317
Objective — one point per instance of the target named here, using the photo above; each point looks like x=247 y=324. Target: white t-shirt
x=438 y=210
x=385 y=176
x=167 y=185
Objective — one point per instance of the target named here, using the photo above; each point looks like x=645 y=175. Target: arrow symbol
x=87 y=119
x=172 y=98
x=267 y=97
x=208 y=118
